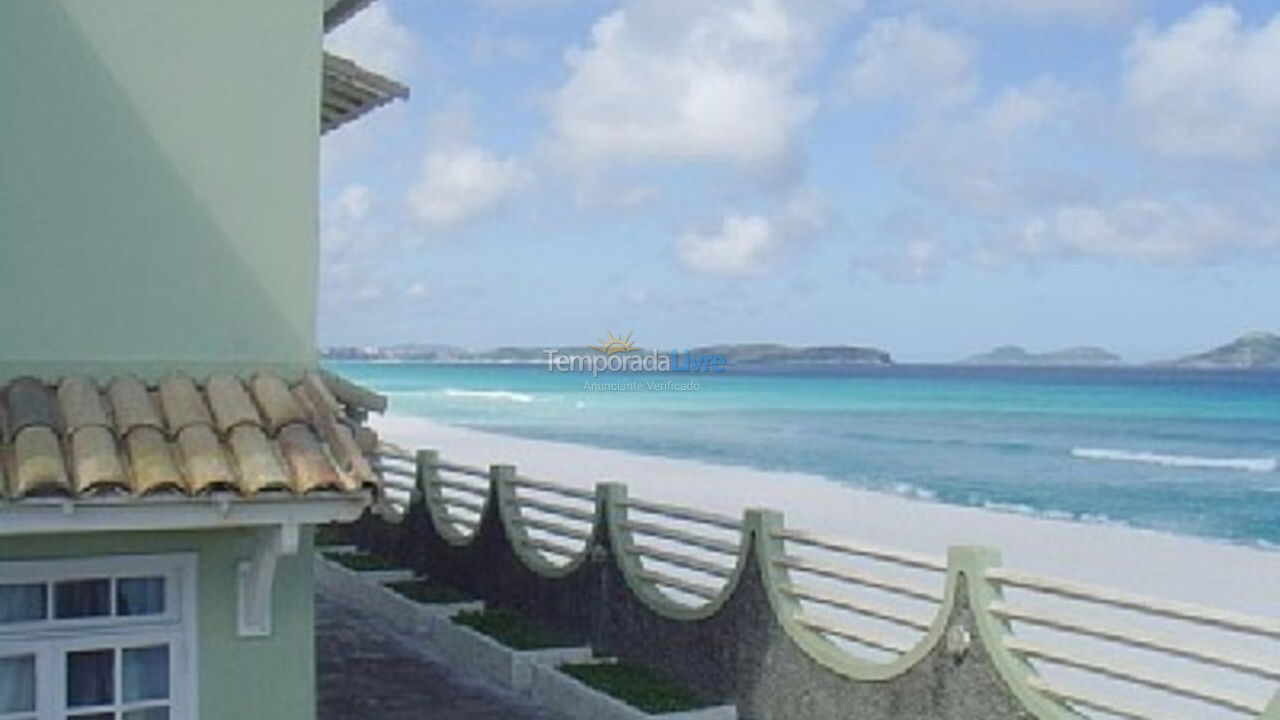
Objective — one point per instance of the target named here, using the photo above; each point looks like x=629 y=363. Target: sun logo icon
x=615 y=344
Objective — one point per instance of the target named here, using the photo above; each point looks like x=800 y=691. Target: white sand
x=1168 y=566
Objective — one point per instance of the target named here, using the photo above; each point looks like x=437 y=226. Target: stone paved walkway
x=365 y=673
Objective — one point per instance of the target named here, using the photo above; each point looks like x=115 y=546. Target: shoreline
x=1197 y=570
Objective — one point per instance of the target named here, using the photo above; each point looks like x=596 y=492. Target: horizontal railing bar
x=1140 y=603
x=556 y=488
x=467 y=523
x=682 y=560
x=1111 y=708
x=460 y=469
x=561 y=510
x=670 y=533
x=475 y=507
x=853 y=606
x=554 y=528
x=923 y=562
x=1138 y=640
x=684 y=513
x=395 y=470
x=857 y=578
x=858 y=636
x=1109 y=669
x=401 y=485
x=550 y=547
x=656 y=578
x=481 y=491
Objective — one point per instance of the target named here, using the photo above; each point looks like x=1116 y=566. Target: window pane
x=140 y=596
x=146 y=673
x=82 y=598
x=18 y=684
x=94 y=716
x=155 y=713
x=90 y=677
x=22 y=603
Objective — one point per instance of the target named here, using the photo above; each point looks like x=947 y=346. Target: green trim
x=966 y=572
x=972 y=563
x=1273 y=709
x=502 y=488
x=613 y=498
x=433 y=502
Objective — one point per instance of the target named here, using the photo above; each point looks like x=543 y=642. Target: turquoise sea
x=1191 y=452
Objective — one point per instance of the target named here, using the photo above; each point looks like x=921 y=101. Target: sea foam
x=1185 y=461
x=506 y=395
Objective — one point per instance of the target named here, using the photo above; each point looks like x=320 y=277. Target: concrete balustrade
x=660 y=586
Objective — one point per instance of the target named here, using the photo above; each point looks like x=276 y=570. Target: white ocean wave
x=912 y=491
x=1028 y=511
x=1184 y=461
x=505 y=395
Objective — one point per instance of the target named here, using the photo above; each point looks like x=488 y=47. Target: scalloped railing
x=869 y=614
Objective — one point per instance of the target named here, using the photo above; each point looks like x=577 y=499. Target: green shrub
x=509 y=628
x=428 y=592
x=360 y=561
x=637 y=686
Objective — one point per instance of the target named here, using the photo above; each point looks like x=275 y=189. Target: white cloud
x=375 y=39
x=741 y=245
x=678 y=80
x=1044 y=10
x=981 y=158
x=354 y=201
x=460 y=182
x=1151 y=229
x=909 y=58
x=1207 y=86
x=416 y=291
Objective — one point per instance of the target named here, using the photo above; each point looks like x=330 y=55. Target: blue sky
x=933 y=178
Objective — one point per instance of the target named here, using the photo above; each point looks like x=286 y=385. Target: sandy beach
x=1190 y=569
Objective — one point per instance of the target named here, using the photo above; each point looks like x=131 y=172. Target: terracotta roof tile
x=277 y=403
x=231 y=403
x=204 y=460
x=151 y=460
x=256 y=460
x=313 y=384
x=81 y=404
x=30 y=403
x=75 y=437
x=132 y=405
x=37 y=462
x=182 y=404
x=306 y=458
x=95 y=461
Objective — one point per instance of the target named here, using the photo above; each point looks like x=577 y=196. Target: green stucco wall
x=272 y=677
x=158 y=165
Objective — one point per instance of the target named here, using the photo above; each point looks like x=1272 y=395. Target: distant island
x=737 y=354
x=1257 y=350
x=1012 y=355
x=771 y=354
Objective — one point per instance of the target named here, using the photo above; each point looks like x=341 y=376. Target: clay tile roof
x=78 y=438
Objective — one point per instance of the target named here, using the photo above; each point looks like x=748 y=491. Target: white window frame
x=49 y=639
